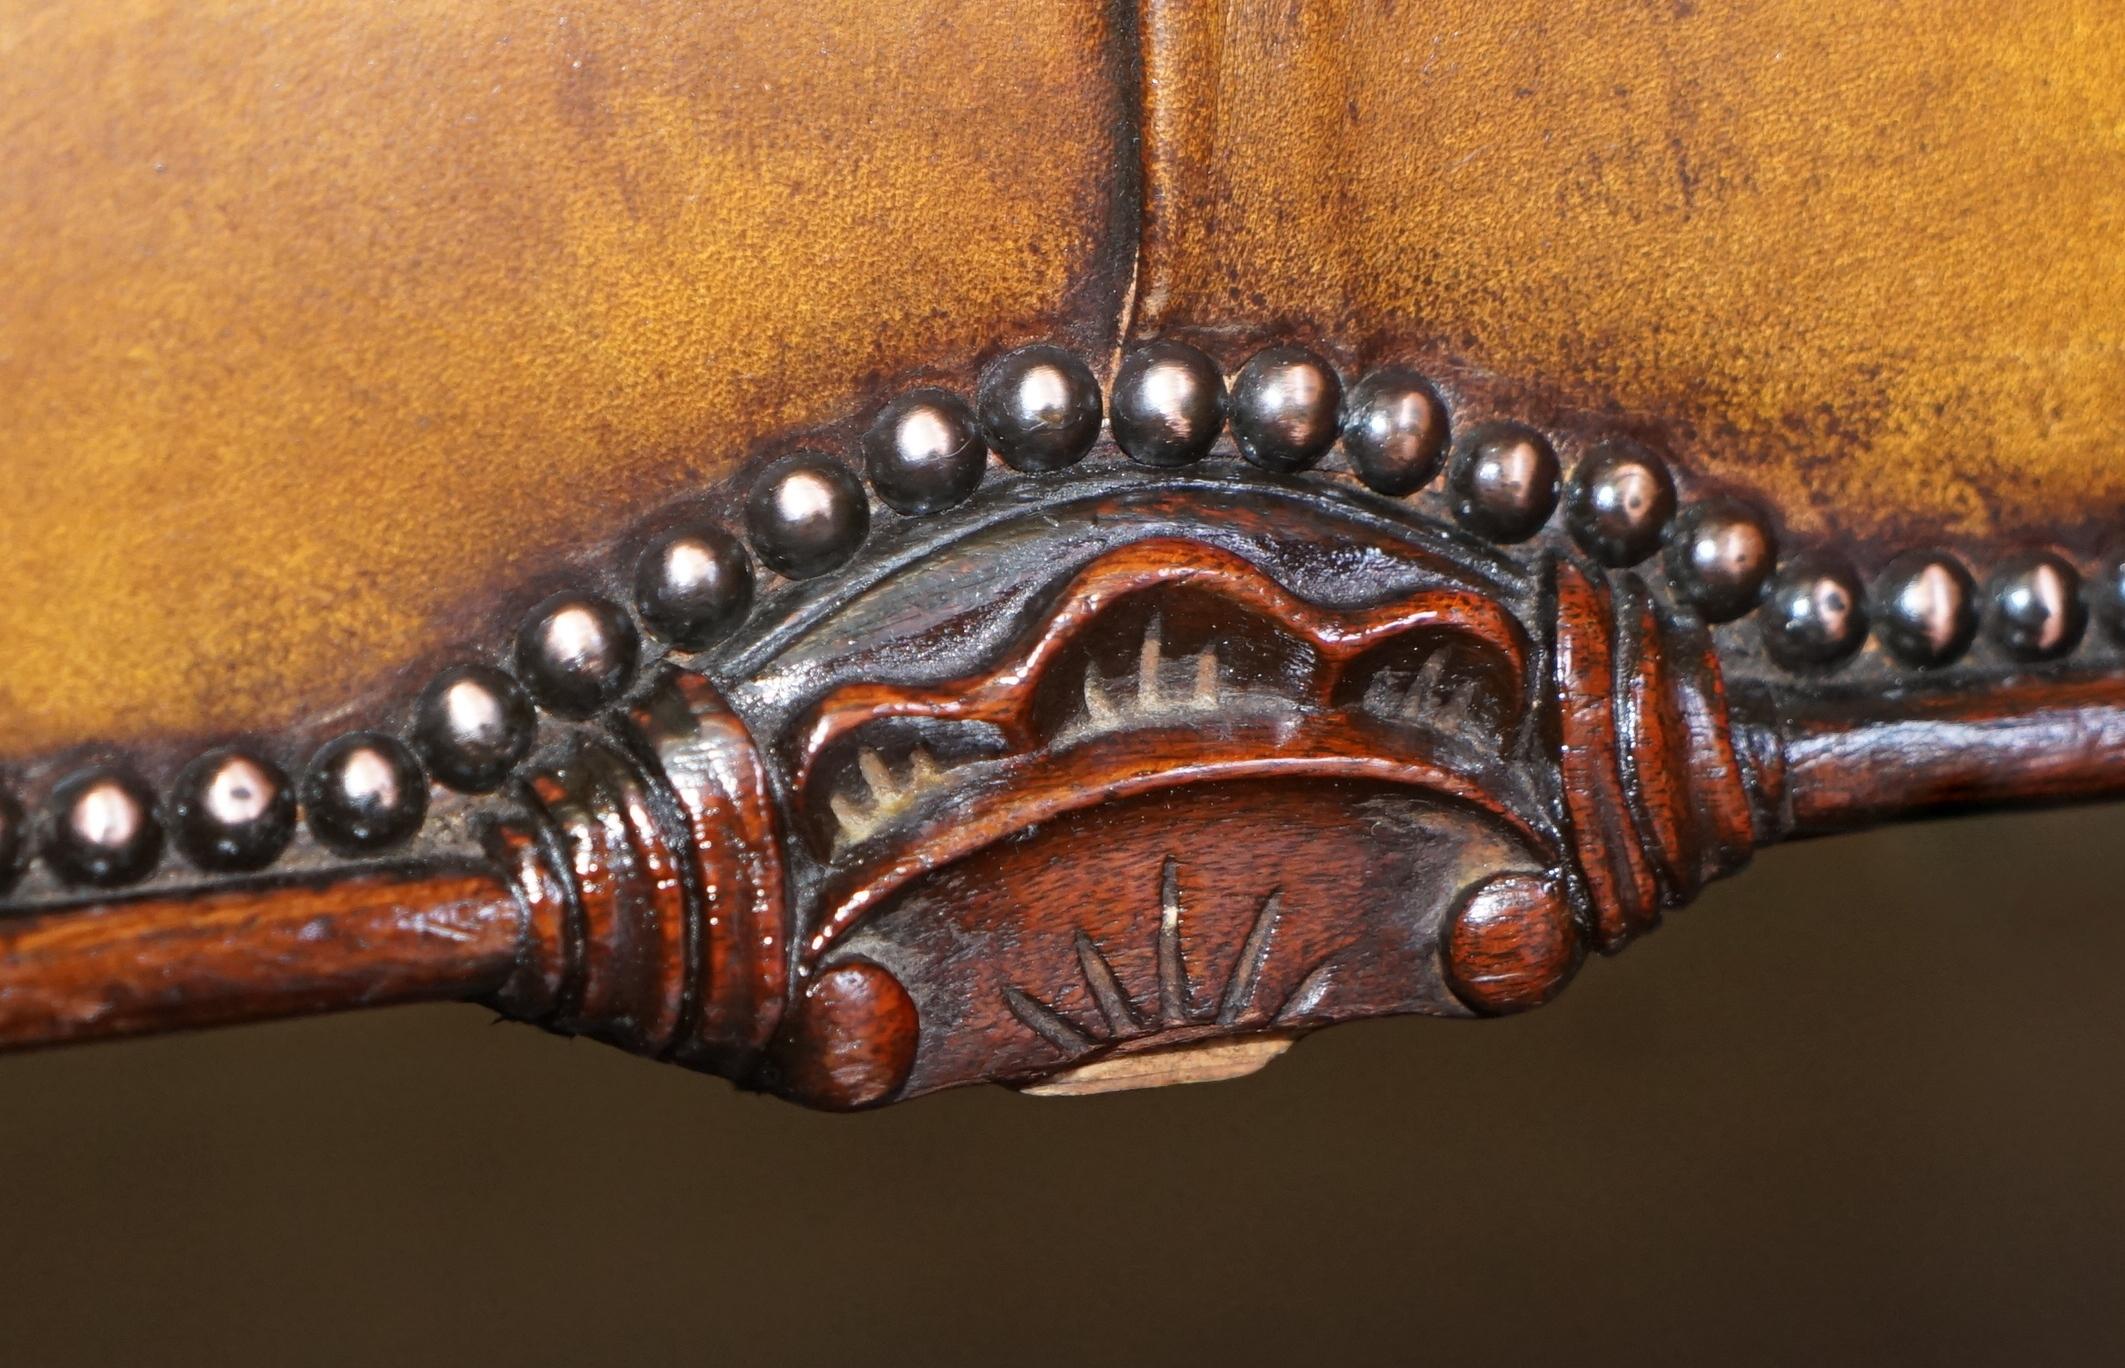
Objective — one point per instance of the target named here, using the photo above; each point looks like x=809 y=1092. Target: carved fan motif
x=1203 y=1038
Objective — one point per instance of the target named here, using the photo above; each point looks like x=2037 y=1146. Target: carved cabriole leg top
x=1114 y=699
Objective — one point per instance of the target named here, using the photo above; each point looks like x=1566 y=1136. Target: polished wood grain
x=256 y=950
x=1853 y=760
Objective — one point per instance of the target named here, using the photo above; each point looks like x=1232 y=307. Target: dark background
x=1858 y=1106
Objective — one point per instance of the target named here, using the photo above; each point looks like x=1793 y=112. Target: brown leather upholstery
x=328 y=329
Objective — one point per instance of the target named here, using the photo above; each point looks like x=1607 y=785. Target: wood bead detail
x=1512 y=943
x=850 y=1042
x=1090 y=779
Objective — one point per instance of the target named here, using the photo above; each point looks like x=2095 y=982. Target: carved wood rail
x=1130 y=759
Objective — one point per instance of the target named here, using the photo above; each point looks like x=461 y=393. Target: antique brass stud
x=1503 y=482
x=576 y=653
x=923 y=452
x=1287 y=408
x=1720 y=552
x=103 y=828
x=364 y=792
x=1168 y=404
x=1620 y=502
x=1814 y=613
x=2037 y=612
x=471 y=726
x=1039 y=407
x=1926 y=608
x=806 y=515
x=1394 y=430
x=692 y=585
x=232 y=808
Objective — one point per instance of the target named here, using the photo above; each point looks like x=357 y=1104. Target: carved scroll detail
x=1499 y=817
x=1164 y=662
x=1006 y=698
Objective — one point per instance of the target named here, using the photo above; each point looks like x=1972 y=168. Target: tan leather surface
x=1862 y=257
x=327 y=327
x=332 y=333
